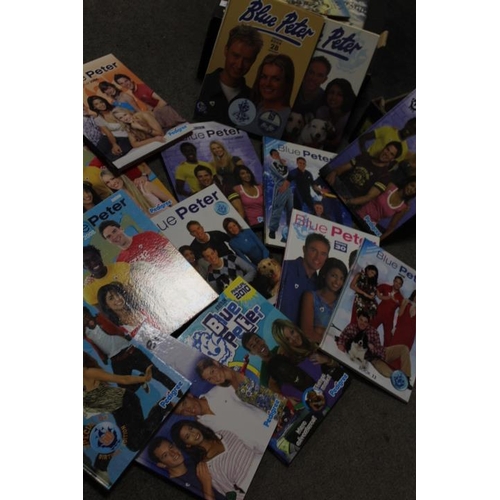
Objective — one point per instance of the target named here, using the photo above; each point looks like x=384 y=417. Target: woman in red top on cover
x=406 y=325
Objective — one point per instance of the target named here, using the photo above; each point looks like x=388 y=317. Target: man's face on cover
x=258 y=347
x=315 y=255
x=168 y=455
x=239 y=59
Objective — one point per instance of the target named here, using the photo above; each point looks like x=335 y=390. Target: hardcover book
x=139 y=182
x=218 y=432
x=330 y=8
x=330 y=86
x=292 y=180
x=318 y=256
x=373 y=329
x=257 y=65
x=124 y=120
x=211 y=234
x=126 y=396
x=375 y=176
x=133 y=274
x=221 y=155
x=243 y=329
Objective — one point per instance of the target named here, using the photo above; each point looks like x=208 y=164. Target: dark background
x=365 y=448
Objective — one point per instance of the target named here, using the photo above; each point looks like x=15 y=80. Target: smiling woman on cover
x=244 y=242
x=224 y=163
x=142 y=127
x=272 y=89
x=231 y=462
x=251 y=194
x=317 y=306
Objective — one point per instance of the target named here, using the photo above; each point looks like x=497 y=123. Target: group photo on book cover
x=331 y=83
x=133 y=274
x=373 y=328
x=243 y=329
x=139 y=182
x=213 y=442
x=219 y=244
x=257 y=65
x=318 y=256
x=292 y=181
x=127 y=393
x=124 y=120
x=221 y=155
x=375 y=176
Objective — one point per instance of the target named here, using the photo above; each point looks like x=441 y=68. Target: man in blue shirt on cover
x=301 y=275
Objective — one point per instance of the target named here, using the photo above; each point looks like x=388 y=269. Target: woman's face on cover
x=189 y=256
x=217 y=149
x=190 y=435
x=115 y=301
x=114 y=183
x=99 y=104
x=272 y=83
x=214 y=374
x=124 y=117
x=87 y=197
x=232 y=228
x=292 y=337
x=335 y=97
x=334 y=279
x=110 y=91
x=245 y=175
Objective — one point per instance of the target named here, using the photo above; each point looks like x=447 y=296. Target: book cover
x=292 y=180
x=139 y=182
x=373 y=329
x=332 y=81
x=133 y=274
x=124 y=120
x=221 y=155
x=211 y=234
x=125 y=398
x=243 y=328
x=330 y=8
x=258 y=62
x=230 y=417
x=318 y=256
x=375 y=176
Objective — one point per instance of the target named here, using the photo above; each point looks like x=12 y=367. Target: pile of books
x=205 y=343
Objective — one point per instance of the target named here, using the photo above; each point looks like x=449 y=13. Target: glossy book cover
x=330 y=86
x=292 y=180
x=221 y=155
x=373 y=329
x=233 y=420
x=133 y=274
x=139 y=182
x=208 y=230
x=318 y=256
x=126 y=396
x=124 y=120
x=242 y=328
x=376 y=175
x=257 y=65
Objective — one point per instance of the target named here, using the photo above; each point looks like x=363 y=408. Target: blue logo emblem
x=269 y=121
x=399 y=380
x=221 y=208
x=106 y=437
x=242 y=112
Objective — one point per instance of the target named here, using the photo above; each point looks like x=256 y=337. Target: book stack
x=231 y=299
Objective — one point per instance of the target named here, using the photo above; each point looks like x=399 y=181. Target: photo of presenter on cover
x=124 y=120
x=259 y=60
